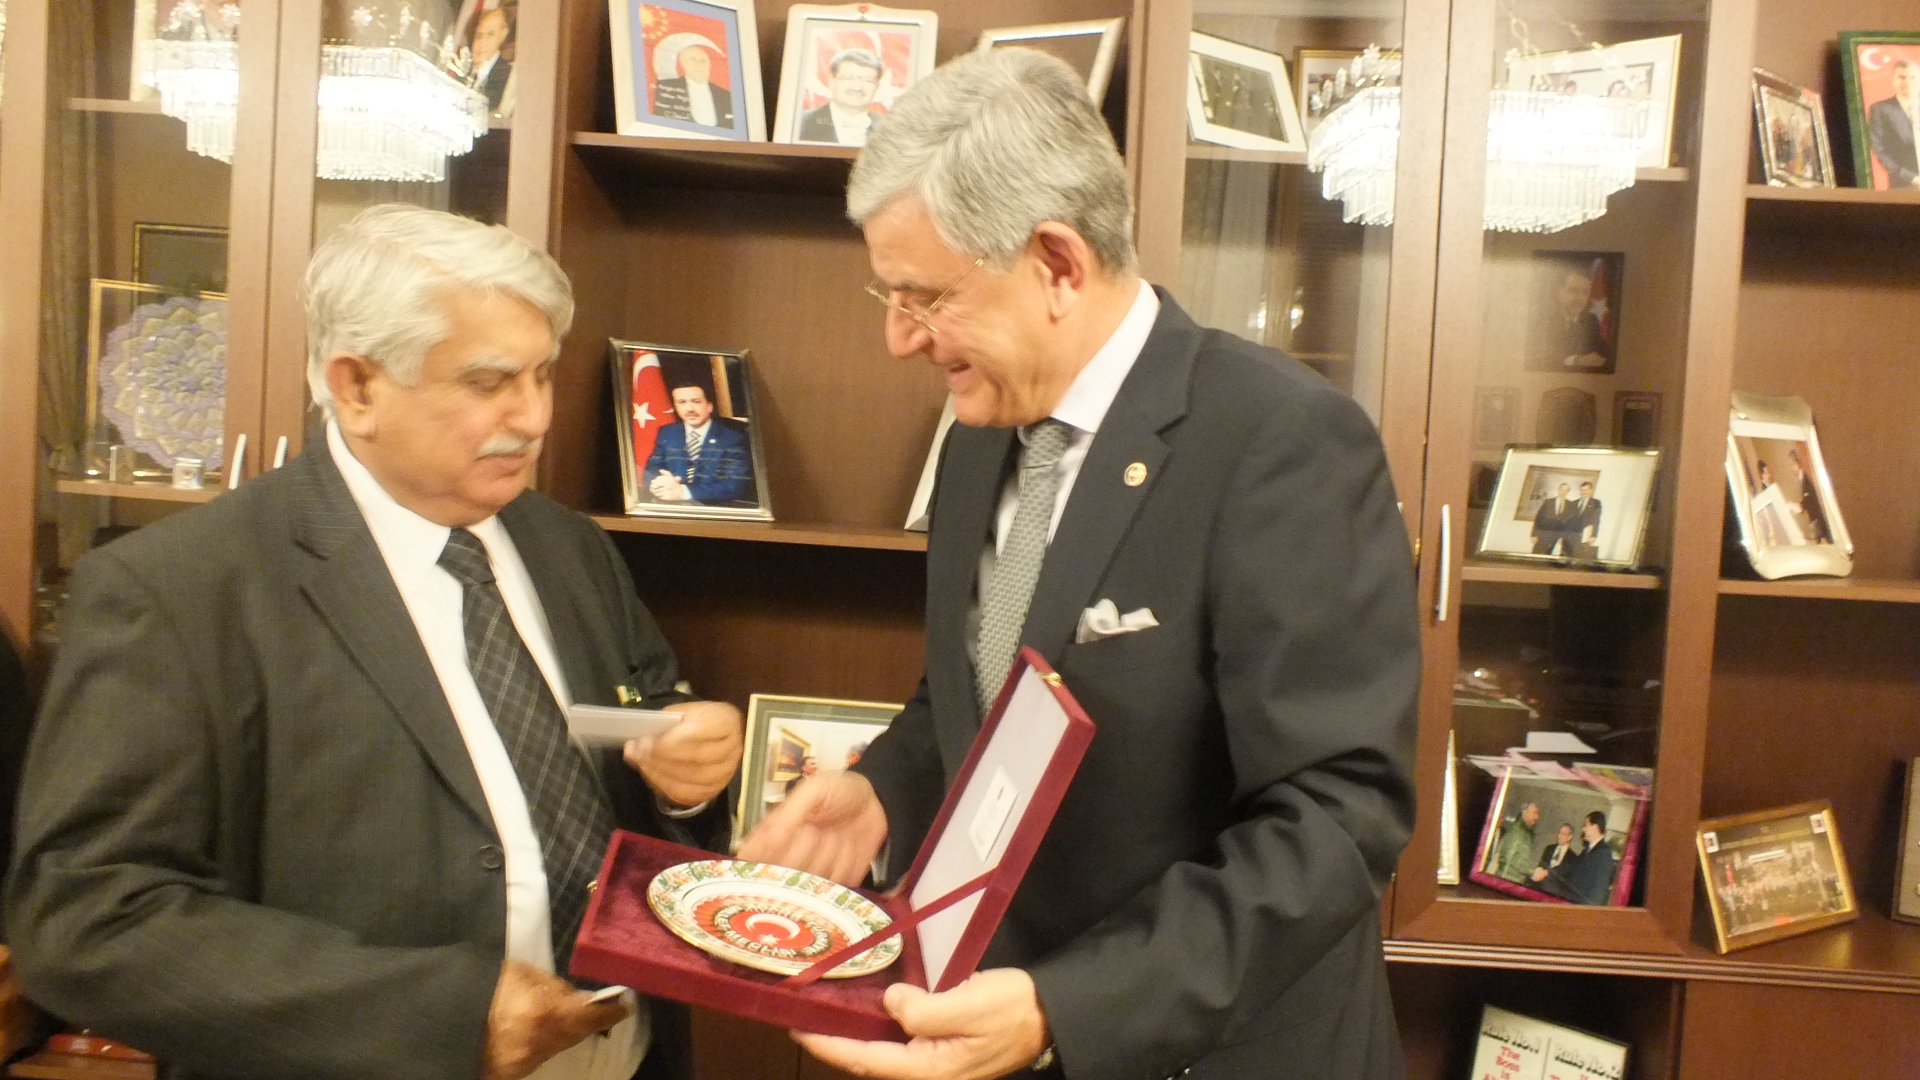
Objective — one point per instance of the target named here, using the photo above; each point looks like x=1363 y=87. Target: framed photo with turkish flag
x=689 y=446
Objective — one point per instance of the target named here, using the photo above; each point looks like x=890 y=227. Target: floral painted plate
x=768 y=917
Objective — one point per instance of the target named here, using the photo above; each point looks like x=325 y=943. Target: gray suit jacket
x=251 y=838
x=1207 y=894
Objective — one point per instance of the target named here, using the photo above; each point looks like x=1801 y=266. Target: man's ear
x=1066 y=263
x=350 y=379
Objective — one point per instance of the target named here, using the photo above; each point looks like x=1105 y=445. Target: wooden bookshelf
x=768 y=532
x=1523 y=574
x=137 y=492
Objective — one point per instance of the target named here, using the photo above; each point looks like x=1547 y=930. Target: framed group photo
x=1774 y=874
x=844 y=66
x=1882 y=73
x=689 y=446
x=1561 y=841
x=1584 y=504
x=687 y=69
x=1783 y=498
x=1643 y=72
x=1088 y=47
x=1240 y=97
x=791 y=738
x=1792 y=133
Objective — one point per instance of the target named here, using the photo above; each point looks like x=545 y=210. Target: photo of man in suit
x=1206 y=897
x=691 y=95
x=492 y=32
x=301 y=800
x=1891 y=123
x=1559 y=851
x=1586 y=509
x=1806 y=500
x=854 y=77
x=1556 y=525
x=1587 y=878
x=701 y=458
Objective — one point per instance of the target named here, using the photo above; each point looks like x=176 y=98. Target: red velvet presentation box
x=946 y=909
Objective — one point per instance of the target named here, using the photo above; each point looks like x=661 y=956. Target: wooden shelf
x=1829 y=208
x=146 y=492
x=1847 y=196
x=1883 y=590
x=716 y=163
x=115 y=105
x=1516 y=574
x=1210 y=152
x=769 y=532
x=1872 y=953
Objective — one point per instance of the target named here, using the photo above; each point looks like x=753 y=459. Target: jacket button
x=491 y=858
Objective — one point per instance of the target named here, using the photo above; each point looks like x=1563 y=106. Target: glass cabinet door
x=1566 y=250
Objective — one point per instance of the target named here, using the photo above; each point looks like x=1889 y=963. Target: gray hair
x=863 y=57
x=376 y=287
x=993 y=144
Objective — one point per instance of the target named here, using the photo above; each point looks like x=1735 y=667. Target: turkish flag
x=651 y=408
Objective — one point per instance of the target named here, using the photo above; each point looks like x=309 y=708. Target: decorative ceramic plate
x=769 y=917
x=163 y=379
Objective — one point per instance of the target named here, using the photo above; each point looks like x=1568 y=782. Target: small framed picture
x=1582 y=504
x=1562 y=841
x=156 y=377
x=185 y=259
x=1641 y=71
x=1774 y=874
x=1325 y=78
x=480 y=51
x=1783 y=498
x=1906 y=877
x=1573 y=311
x=1636 y=419
x=791 y=738
x=1088 y=47
x=1240 y=97
x=844 y=66
x=1882 y=73
x=689 y=446
x=687 y=69
x=1792 y=134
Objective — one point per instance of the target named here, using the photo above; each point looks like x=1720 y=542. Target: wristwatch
x=1044 y=1061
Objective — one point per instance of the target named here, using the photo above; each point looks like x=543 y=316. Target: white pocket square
x=1103 y=620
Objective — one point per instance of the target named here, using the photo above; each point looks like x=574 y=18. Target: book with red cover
x=946 y=908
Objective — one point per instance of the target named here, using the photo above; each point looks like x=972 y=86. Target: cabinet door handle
x=1446 y=562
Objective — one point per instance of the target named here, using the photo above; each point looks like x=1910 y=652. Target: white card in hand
x=609 y=725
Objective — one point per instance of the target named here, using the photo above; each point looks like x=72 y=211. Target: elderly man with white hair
x=1201 y=536
x=301 y=800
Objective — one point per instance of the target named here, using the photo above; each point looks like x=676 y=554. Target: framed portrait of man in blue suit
x=689 y=446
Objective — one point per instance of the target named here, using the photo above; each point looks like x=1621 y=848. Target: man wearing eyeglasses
x=1201 y=536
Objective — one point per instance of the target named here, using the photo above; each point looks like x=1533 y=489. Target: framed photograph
x=1583 y=504
x=1643 y=71
x=1792 y=133
x=687 y=69
x=1325 y=78
x=689 y=446
x=1449 y=866
x=156 y=377
x=480 y=49
x=1241 y=97
x=844 y=66
x=1571 y=841
x=791 y=738
x=175 y=20
x=1774 y=874
x=1636 y=419
x=1882 y=73
x=184 y=259
x=1516 y=1047
x=1087 y=47
x=1573 y=311
x=1783 y=498
x=1906 y=877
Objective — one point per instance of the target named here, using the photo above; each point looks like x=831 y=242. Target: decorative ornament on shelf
x=386 y=111
x=163 y=379
x=1552 y=157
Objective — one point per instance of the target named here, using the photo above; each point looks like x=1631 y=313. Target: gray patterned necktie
x=570 y=813
x=1009 y=592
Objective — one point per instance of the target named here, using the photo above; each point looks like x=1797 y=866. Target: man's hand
x=692 y=761
x=831 y=824
x=535 y=1016
x=667 y=488
x=17 y=1015
x=988 y=1026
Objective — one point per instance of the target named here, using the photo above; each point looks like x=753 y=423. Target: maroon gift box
x=946 y=908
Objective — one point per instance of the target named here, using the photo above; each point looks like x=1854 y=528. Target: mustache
x=503 y=445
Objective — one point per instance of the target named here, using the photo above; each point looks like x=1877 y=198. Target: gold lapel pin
x=1136 y=474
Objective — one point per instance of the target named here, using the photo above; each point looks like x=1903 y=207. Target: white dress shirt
x=700 y=103
x=850 y=126
x=411 y=546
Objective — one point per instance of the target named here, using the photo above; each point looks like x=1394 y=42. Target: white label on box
x=991 y=818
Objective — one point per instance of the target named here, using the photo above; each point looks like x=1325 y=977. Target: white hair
x=376 y=287
x=993 y=144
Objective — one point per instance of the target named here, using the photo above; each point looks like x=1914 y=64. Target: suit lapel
x=965 y=501
x=563 y=599
x=1103 y=504
x=348 y=582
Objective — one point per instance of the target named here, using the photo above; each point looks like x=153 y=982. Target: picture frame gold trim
x=729 y=379
x=1906 y=877
x=145 y=470
x=1109 y=31
x=1710 y=840
x=751 y=803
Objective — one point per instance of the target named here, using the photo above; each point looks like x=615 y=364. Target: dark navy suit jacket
x=724 y=473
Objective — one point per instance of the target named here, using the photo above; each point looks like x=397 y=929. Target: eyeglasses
x=921 y=315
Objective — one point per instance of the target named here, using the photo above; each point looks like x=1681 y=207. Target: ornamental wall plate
x=162 y=370
x=768 y=917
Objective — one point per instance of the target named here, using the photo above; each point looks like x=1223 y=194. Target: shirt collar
x=398 y=531
x=1091 y=393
